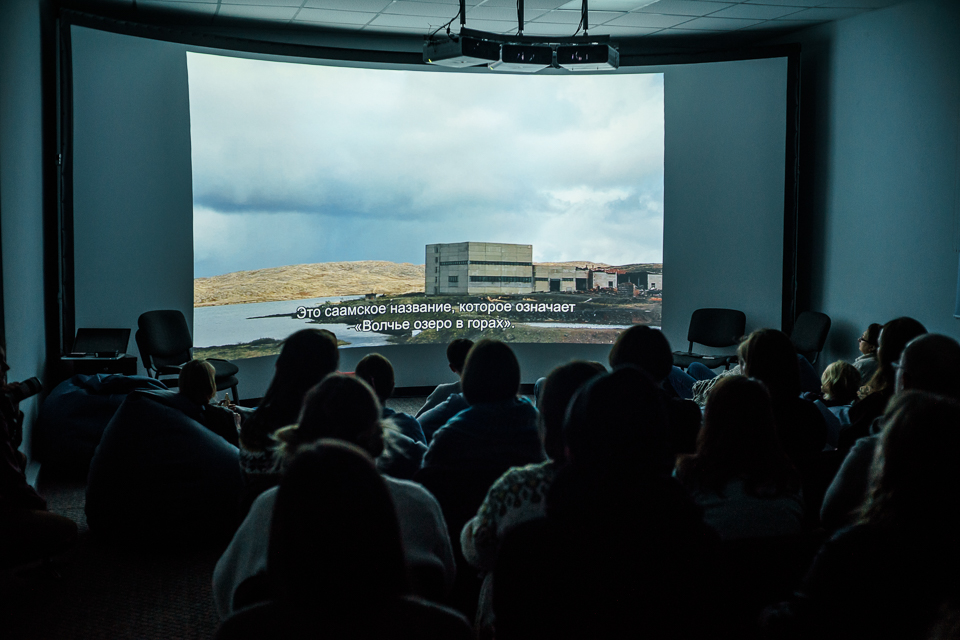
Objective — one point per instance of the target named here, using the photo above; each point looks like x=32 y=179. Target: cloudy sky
x=297 y=163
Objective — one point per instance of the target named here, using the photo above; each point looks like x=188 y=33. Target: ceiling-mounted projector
x=526 y=58
x=588 y=57
x=460 y=51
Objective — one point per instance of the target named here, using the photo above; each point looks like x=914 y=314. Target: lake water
x=239 y=324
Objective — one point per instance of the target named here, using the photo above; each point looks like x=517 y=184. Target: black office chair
x=716 y=328
x=165 y=346
x=810 y=334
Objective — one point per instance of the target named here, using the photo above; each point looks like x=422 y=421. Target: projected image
x=399 y=207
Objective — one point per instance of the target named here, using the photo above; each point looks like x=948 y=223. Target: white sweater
x=422 y=528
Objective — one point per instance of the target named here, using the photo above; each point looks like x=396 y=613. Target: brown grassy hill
x=301 y=281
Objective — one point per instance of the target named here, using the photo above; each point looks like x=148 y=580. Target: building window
x=500 y=279
x=453 y=278
x=447 y=263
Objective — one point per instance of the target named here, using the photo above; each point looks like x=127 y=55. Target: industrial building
x=478 y=268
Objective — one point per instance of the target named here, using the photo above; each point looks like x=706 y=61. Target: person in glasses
x=867 y=363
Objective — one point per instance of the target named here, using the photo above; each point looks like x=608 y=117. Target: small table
x=125 y=364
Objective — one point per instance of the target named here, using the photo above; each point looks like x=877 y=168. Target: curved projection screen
x=406 y=207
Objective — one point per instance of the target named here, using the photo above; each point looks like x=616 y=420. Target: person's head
x=377 y=372
x=340 y=407
x=644 y=347
x=558 y=389
x=916 y=474
x=618 y=422
x=197 y=381
x=840 y=382
x=334 y=537
x=869 y=340
x=893 y=338
x=491 y=373
x=457 y=352
x=930 y=362
x=769 y=356
x=738 y=440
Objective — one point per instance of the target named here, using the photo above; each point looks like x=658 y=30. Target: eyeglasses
x=862 y=339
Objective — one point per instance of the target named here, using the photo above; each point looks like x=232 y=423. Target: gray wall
x=724 y=150
x=879 y=162
x=21 y=195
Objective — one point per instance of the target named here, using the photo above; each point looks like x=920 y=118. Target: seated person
x=342 y=580
x=344 y=408
x=306 y=357
x=27 y=530
x=520 y=494
x=739 y=474
x=648 y=349
x=197 y=383
x=867 y=363
x=377 y=372
x=434 y=417
x=456 y=355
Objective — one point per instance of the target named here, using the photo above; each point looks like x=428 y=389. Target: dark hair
x=643 y=347
x=739 y=440
x=197 y=381
x=893 y=338
x=334 y=537
x=491 y=373
x=558 y=389
x=376 y=371
x=618 y=422
x=305 y=358
x=916 y=475
x=341 y=407
x=457 y=352
x=873 y=334
x=769 y=356
x=840 y=381
x=931 y=362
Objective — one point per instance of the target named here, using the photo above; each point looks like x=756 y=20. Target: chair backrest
x=163 y=338
x=810 y=333
x=717 y=327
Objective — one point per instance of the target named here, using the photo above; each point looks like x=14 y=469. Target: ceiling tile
x=334 y=17
x=789 y=3
x=573 y=17
x=190 y=6
x=493 y=26
x=755 y=11
x=348 y=5
x=684 y=7
x=822 y=15
x=263 y=3
x=484 y=12
x=257 y=13
x=623 y=32
x=546 y=5
x=859 y=4
x=717 y=24
x=419 y=23
x=648 y=20
x=429 y=9
x=548 y=29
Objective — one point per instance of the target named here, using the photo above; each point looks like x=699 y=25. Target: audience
x=866 y=363
x=839 y=384
x=197 y=383
x=887 y=576
x=27 y=530
x=878 y=390
x=930 y=362
x=456 y=355
x=520 y=494
x=344 y=581
x=739 y=474
x=344 y=408
x=305 y=358
x=622 y=546
x=648 y=349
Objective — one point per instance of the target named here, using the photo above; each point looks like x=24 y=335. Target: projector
x=527 y=58
x=588 y=57
x=461 y=51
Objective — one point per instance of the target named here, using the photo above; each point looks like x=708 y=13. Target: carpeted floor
x=105 y=592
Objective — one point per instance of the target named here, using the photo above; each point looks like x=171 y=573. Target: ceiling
x=617 y=18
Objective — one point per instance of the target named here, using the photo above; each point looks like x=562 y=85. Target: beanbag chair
x=159 y=475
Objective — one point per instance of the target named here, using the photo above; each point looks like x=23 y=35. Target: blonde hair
x=197 y=381
x=840 y=381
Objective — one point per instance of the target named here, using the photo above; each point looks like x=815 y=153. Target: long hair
x=893 y=338
x=770 y=357
x=739 y=441
x=340 y=407
x=558 y=390
x=916 y=474
x=305 y=358
x=491 y=373
x=334 y=537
